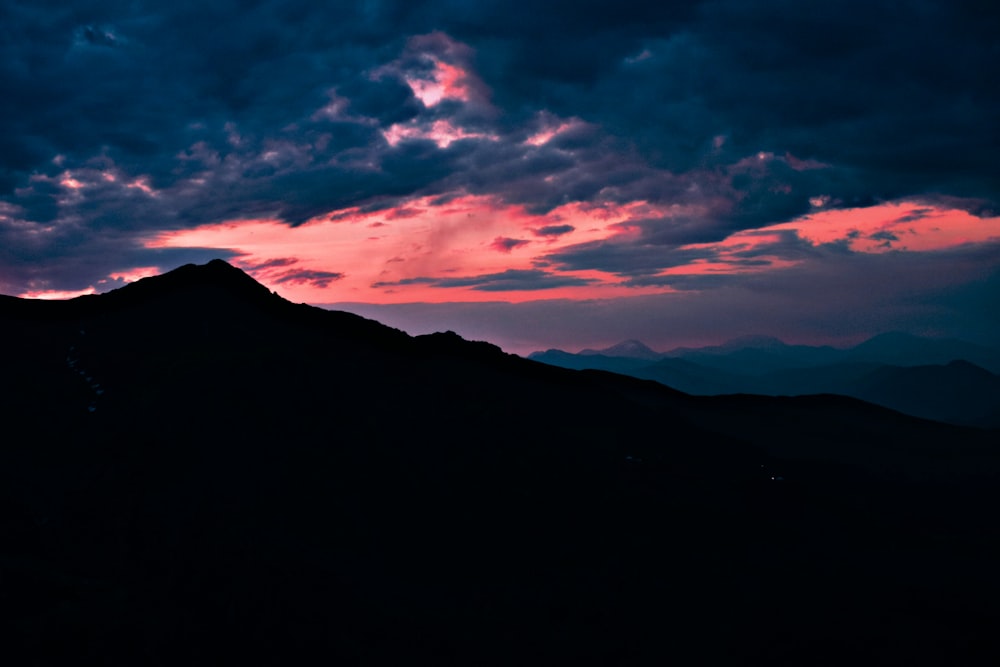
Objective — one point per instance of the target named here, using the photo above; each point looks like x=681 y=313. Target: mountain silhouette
x=197 y=471
x=923 y=377
x=634 y=349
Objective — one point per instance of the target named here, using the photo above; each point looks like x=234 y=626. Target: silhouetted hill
x=957 y=392
x=692 y=377
x=196 y=471
x=903 y=349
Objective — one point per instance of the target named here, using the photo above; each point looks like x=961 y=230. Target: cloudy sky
x=551 y=173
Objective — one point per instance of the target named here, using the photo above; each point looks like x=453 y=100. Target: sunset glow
x=394 y=255
x=56 y=294
x=899 y=226
x=429 y=252
x=676 y=161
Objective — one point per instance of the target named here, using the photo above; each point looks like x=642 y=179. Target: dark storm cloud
x=277 y=109
x=507 y=281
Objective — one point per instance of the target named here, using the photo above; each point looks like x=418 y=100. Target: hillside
x=199 y=472
x=922 y=377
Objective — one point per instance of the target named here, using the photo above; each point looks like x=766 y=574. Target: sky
x=545 y=174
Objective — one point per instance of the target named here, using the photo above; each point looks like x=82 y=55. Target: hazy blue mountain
x=957 y=392
x=938 y=383
x=693 y=378
x=839 y=378
x=903 y=349
x=632 y=349
x=739 y=343
x=757 y=360
x=595 y=361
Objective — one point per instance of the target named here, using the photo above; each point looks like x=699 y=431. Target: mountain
x=594 y=361
x=922 y=377
x=691 y=377
x=197 y=471
x=631 y=349
x=903 y=349
x=750 y=342
x=957 y=392
x=756 y=355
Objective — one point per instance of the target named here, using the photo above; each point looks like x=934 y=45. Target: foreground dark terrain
x=195 y=471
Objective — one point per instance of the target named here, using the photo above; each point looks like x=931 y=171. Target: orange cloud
x=425 y=250
x=904 y=225
x=419 y=239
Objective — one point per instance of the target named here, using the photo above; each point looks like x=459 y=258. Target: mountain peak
x=216 y=273
x=632 y=348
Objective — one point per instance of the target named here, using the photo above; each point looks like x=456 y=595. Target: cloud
x=625 y=258
x=553 y=230
x=125 y=122
x=277 y=262
x=319 y=279
x=511 y=280
x=841 y=300
x=503 y=244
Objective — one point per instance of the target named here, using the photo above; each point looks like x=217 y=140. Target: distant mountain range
x=195 y=471
x=945 y=380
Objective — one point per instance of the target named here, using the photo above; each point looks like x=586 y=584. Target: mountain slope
x=957 y=392
x=936 y=383
x=902 y=349
x=198 y=471
x=632 y=349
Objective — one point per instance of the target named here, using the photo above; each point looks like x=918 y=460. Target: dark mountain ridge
x=923 y=377
x=755 y=354
x=198 y=471
x=630 y=348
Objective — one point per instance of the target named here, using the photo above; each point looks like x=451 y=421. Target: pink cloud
x=441 y=132
x=445 y=82
x=550 y=128
x=431 y=239
x=443 y=73
x=915 y=226
x=427 y=238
